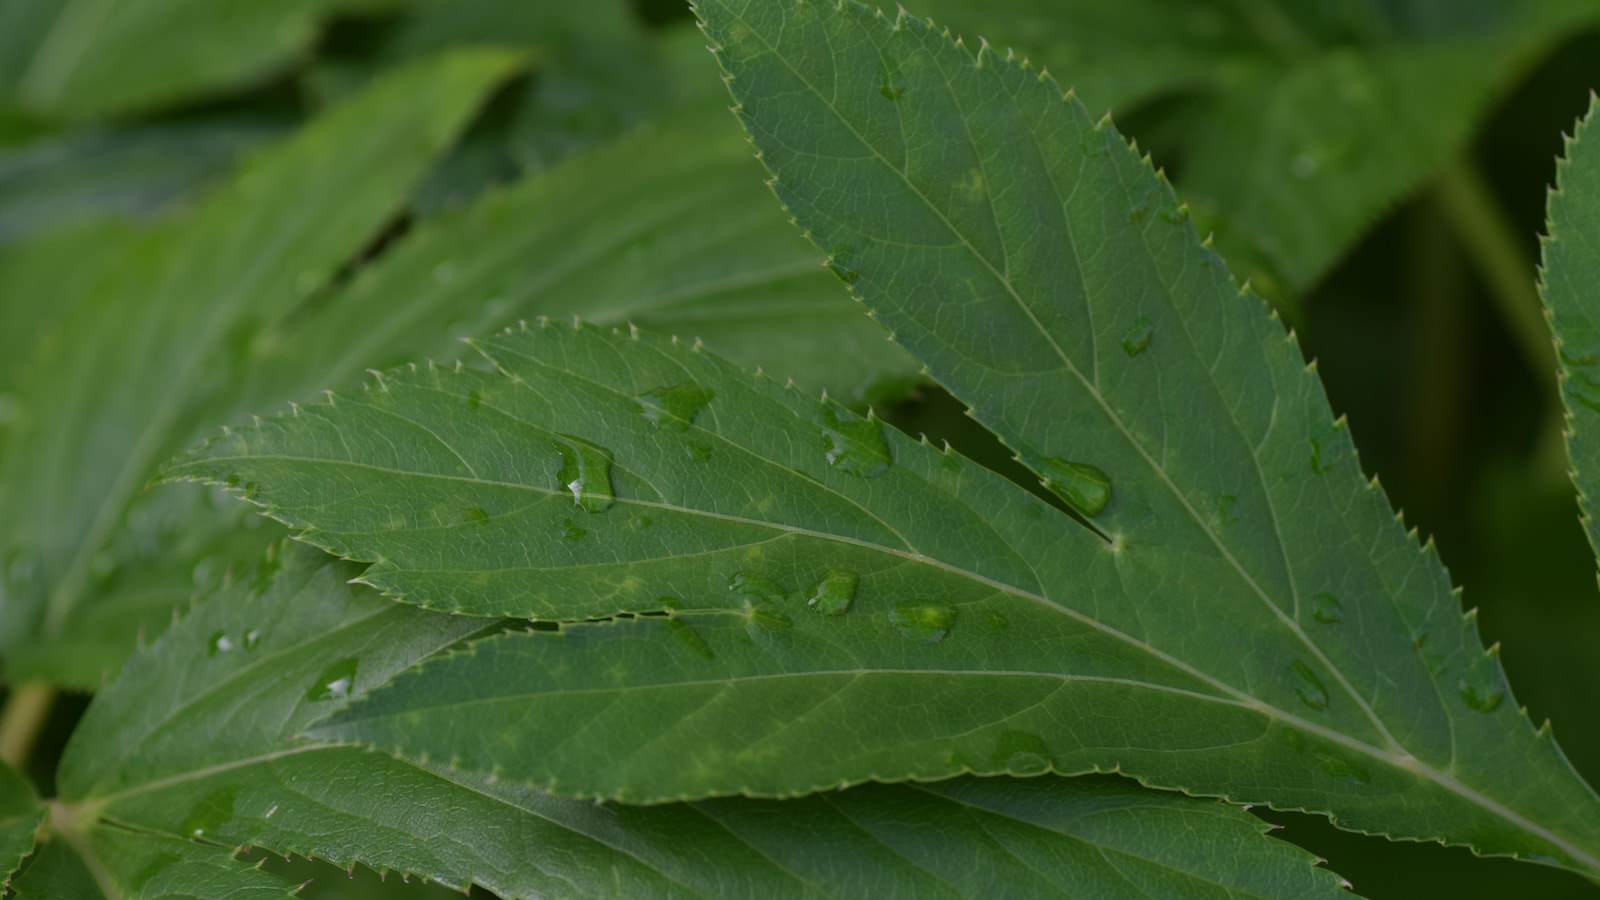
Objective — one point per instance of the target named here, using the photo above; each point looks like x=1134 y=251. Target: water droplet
x=585 y=472
x=476 y=515
x=697 y=451
x=1480 y=685
x=1327 y=609
x=639 y=522
x=890 y=78
x=767 y=622
x=1081 y=486
x=571 y=531
x=1309 y=686
x=1137 y=340
x=252 y=639
x=1095 y=143
x=856 y=446
x=336 y=681
x=213 y=812
x=842 y=262
x=1225 y=514
x=750 y=584
x=995 y=621
x=1022 y=753
x=922 y=621
x=673 y=408
x=219 y=643
x=474 y=400
x=834 y=593
x=689 y=638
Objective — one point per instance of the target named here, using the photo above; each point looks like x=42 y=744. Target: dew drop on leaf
x=639 y=522
x=474 y=400
x=1309 y=686
x=995 y=621
x=673 y=408
x=1342 y=768
x=856 y=446
x=1479 y=685
x=219 y=643
x=335 y=682
x=211 y=813
x=252 y=639
x=689 y=639
x=476 y=515
x=1327 y=609
x=585 y=472
x=922 y=621
x=697 y=451
x=834 y=593
x=1137 y=340
x=1225 y=514
x=1081 y=486
x=750 y=584
x=571 y=531
x=1022 y=753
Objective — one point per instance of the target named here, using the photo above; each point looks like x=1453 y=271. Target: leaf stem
x=22 y=720
x=1480 y=223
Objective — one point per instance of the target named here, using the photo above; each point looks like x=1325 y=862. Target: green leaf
x=1568 y=281
x=116 y=864
x=20 y=813
x=1243 y=618
x=268 y=655
x=67 y=179
x=1314 y=119
x=669 y=229
x=157 y=324
x=92 y=58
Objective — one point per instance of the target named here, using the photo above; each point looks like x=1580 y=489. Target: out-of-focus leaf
x=131 y=368
x=20 y=812
x=94 y=58
x=135 y=172
x=105 y=862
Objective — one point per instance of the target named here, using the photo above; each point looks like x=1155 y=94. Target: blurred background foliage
x=1377 y=168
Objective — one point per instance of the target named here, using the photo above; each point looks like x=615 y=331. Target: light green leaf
x=1570 y=283
x=286 y=645
x=20 y=812
x=92 y=58
x=1243 y=618
x=155 y=327
x=115 y=864
x=669 y=229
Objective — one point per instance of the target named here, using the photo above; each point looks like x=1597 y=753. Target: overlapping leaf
x=129 y=357
x=1571 y=287
x=293 y=642
x=20 y=812
x=110 y=863
x=1245 y=618
x=87 y=58
x=1316 y=118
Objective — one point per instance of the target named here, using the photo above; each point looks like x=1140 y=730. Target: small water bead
x=750 y=584
x=570 y=531
x=1327 y=609
x=922 y=621
x=336 y=681
x=834 y=593
x=219 y=643
x=1081 y=486
x=995 y=621
x=1309 y=686
x=697 y=451
x=639 y=522
x=689 y=639
x=1137 y=340
x=476 y=515
x=585 y=472
x=211 y=813
x=474 y=400
x=1340 y=767
x=1224 y=510
x=856 y=446
x=252 y=639
x=1480 y=685
x=1022 y=753
x=673 y=408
